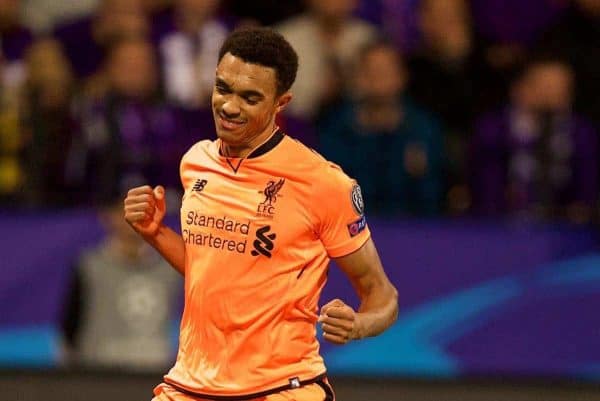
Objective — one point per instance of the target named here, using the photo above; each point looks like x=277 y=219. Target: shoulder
x=300 y=156
x=310 y=164
x=329 y=179
x=199 y=150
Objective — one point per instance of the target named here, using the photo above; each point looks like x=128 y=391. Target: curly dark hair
x=265 y=47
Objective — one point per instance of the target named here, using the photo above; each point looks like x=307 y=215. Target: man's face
x=132 y=69
x=554 y=86
x=244 y=100
x=381 y=75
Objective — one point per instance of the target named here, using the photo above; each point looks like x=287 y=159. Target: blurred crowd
x=437 y=107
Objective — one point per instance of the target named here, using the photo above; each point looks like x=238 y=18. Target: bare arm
x=379 y=299
x=144 y=211
x=171 y=246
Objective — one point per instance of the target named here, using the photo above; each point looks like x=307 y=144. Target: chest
x=253 y=213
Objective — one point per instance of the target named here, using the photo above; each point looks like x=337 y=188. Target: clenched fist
x=338 y=322
x=145 y=209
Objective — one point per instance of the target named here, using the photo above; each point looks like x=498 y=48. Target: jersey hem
x=243 y=397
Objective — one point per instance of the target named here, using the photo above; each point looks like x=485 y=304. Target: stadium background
x=496 y=303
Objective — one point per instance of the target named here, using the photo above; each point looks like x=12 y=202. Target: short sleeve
x=342 y=223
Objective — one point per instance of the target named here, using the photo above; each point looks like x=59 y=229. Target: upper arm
x=365 y=271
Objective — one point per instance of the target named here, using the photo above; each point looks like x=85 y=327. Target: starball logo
x=267 y=207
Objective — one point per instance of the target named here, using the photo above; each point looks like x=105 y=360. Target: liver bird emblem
x=272 y=190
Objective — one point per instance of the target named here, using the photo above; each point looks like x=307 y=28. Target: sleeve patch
x=357 y=226
x=357 y=200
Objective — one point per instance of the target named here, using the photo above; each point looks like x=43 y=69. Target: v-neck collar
x=260 y=150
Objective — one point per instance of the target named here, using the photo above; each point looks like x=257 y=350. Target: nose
x=230 y=109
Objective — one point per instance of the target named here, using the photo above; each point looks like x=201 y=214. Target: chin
x=230 y=137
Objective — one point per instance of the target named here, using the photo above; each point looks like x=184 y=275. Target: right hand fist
x=145 y=209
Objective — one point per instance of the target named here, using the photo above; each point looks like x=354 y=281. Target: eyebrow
x=246 y=93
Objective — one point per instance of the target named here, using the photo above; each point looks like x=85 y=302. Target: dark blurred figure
x=11 y=143
x=443 y=77
x=265 y=12
x=86 y=40
x=48 y=126
x=379 y=136
x=443 y=72
x=327 y=39
x=188 y=40
x=536 y=157
x=577 y=38
x=128 y=131
x=505 y=31
x=121 y=305
x=14 y=41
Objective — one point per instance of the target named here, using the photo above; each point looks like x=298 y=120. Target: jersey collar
x=268 y=145
x=263 y=148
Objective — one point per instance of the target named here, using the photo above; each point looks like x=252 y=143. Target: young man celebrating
x=261 y=216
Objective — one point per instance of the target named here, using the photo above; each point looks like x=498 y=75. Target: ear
x=283 y=101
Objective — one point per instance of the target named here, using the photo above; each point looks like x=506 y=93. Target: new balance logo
x=263 y=244
x=199 y=185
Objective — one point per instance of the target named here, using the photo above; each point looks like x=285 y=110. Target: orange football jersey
x=258 y=235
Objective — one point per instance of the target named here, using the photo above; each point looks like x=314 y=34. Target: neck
x=243 y=150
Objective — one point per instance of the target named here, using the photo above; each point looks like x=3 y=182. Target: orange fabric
x=257 y=247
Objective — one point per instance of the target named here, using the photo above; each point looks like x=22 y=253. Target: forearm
x=170 y=245
x=376 y=313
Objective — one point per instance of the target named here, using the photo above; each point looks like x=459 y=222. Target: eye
x=251 y=101
x=222 y=90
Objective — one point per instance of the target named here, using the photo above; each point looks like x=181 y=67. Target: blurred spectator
x=536 y=157
x=443 y=77
x=48 y=125
x=129 y=131
x=11 y=143
x=14 y=41
x=505 y=29
x=122 y=301
x=328 y=40
x=392 y=147
x=443 y=71
x=85 y=40
x=42 y=15
x=189 y=39
x=265 y=12
x=577 y=38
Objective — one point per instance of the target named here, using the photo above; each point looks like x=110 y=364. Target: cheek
x=216 y=99
x=259 y=115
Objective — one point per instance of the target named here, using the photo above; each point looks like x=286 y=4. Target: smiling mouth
x=229 y=124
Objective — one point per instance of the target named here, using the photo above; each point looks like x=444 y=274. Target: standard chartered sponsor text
x=211 y=236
